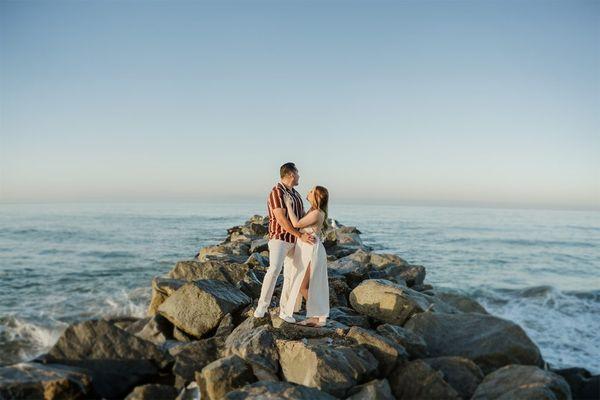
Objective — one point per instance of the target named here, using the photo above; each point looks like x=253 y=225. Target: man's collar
x=285 y=187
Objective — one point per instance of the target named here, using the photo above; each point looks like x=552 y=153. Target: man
x=282 y=238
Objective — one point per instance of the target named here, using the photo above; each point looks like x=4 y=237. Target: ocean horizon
x=64 y=262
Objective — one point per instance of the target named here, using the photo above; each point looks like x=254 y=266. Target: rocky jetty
x=390 y=335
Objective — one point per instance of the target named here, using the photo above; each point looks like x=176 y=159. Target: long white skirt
x=317 y=304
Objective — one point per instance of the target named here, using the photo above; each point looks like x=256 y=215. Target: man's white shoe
x=291 y=320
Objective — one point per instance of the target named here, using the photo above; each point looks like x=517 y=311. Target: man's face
x=295 y=178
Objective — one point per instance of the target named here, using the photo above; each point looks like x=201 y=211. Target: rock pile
x=390 y=336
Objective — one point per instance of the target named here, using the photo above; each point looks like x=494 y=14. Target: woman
x=310 y=261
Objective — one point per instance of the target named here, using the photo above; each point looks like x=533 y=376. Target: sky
x=419 y=102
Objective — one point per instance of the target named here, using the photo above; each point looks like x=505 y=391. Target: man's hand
x=308 y=238
x=287 y=199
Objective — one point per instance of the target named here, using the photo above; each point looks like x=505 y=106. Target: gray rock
x=414 y=344
x=373 y=390
x=156 y=329
x=30 y=380
x=161 y=289
x=490 y=341
x=198 y=307
x=583 y=384
x=516 y=382
x=116 y=360
x=461 y=373
x=295 y=331
x=226 y=326
x=392 y=303
x=333 y=368
x=259 y=245
x=387 y=352
x=277 y=391
x=194 y=356
x=254 y=344
x=417 y=380
x=348 y=316
x=257 y=261
x=152 y=392
x=222 y=376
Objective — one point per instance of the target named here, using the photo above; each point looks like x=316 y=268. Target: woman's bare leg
x=305 y=282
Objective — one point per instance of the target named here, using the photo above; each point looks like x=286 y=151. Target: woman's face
x=311 y=196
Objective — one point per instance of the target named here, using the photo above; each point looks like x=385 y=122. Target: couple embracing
x=295 y=244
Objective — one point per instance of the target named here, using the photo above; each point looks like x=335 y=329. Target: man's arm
x=285 y=223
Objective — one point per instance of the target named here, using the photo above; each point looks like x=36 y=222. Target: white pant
x=281 y=254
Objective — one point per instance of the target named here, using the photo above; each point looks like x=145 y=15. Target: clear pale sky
x=425 y=102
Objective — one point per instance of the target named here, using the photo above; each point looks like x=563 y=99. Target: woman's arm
x=309 y=219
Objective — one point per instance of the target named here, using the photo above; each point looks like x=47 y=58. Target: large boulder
x=197 y=307
x=239 y=275
x=522 y=382
x=116 y=360
x=387 y=352
x=332 y=368
x=413 y=343
x=161 y=289
x=222 y=376
x=417 y=380
x=461 y=373
x=31 y=380
x=277 y=391
x=156 y=329
x=392 y=303
x=490 y=341
x=254 y=343
x=583 y=384
x=232 y=252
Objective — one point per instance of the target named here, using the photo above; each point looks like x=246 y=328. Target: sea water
x=61 y=263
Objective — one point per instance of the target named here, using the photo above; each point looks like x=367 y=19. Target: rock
x=331 y=368
x=373 y=390
x=338 y=291
x=392 y=303
x=257 y=261
x=152 y=392
x=414 y=344
x=277 y=391
x=161 y=289
x=30 y=380
x=254 y=344
x=226 y=326
x=460 y=302
x=294 y=331
x=194 y=356
x=222 y=376
x=181 y=336
x=198 y=307
x=231 y=252
x=583 y=384
x=348 y=316
x=417 y=380
x=239 y=275
x=490 y=341
x=259 y=245
x=387 y=352
x=380 y=261
x=460 y=373
x=156 y=329
x=190 y=392
x=116 y=360
x=517 y=382
x=346 y=266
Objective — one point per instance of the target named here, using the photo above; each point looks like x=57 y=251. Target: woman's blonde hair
x=321 y=196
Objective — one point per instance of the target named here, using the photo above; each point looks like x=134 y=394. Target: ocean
x=61 y=263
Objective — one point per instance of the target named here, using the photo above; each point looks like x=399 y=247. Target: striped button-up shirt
x=276 y=200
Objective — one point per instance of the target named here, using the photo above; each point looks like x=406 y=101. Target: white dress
x=317 y=304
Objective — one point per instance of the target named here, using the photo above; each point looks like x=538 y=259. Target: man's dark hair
x=287 y=168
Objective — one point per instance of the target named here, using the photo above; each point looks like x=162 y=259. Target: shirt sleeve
x=276 y=199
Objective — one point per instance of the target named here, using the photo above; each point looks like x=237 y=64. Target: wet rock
x=194 y=356
x=414 y=344
x=198 y=307
x=459 y=301
x=222 y=376
x=489 y=341
x=518 y=382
